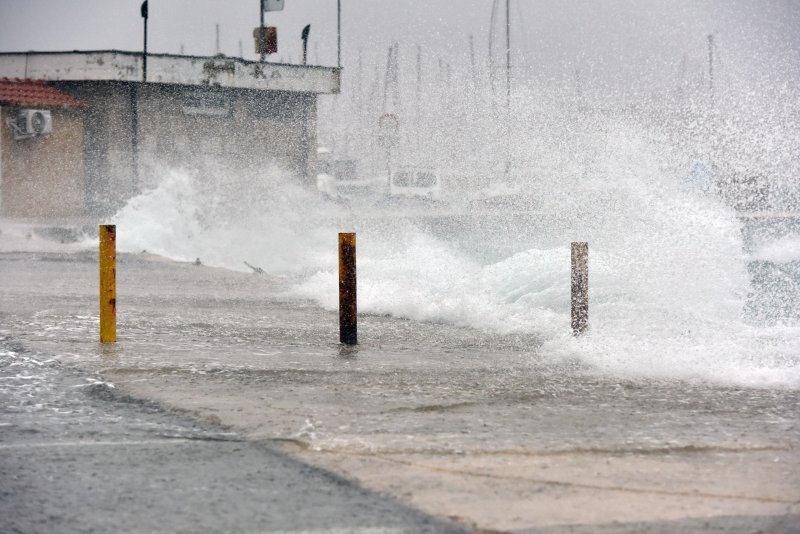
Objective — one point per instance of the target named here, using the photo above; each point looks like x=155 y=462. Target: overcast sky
x=637 y=43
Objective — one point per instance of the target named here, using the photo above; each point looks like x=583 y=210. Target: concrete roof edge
x=126 y=66
x=165 y=55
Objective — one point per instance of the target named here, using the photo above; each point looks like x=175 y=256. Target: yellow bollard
x=108 y=283
x=580 y=287
x=348 y=310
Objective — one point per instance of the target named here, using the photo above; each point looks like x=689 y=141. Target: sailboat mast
x=508 y=55
x=419 y=74
x=472 y=64
x=711 y=67
x=491 y=47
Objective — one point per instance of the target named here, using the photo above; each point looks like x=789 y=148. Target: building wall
x=107 y=141
x=261 y=128
x=43 y=176
x=198 y=127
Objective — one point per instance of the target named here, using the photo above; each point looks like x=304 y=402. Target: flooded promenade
x=477 y=428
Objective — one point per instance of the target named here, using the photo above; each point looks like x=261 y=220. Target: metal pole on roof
x=304 y=37
x=339 y=33
x=144 y=54
x=134 y=98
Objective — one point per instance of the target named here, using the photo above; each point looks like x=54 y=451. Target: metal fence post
x=348 y=309
x=580 y=287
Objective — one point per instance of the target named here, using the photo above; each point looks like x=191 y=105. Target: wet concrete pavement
x=453 y=422
x=76 y=455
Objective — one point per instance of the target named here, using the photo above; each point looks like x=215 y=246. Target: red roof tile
x=33 y=93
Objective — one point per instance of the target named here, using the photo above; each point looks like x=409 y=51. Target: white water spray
x=668 y=274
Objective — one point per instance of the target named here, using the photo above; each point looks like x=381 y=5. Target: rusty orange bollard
x=108 y=283
x=348 y=309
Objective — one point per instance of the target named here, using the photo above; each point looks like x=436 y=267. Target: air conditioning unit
x=33 y=123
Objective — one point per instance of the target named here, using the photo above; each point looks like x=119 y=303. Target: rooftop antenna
x=216 y=42
x=241 y=49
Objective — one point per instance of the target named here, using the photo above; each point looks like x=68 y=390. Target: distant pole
x=134 y=98
x=418 y=98
x=348 y=308
x=711 y=67
x=419 y=76
x=216 y=40
x=580 y=287
x=491 y=48
x=145 y=16
x=108 y=283
x=508 y=56
x=339 y=33
x=508 y=87
x=387 y=80
x=134 y=102
x=472 y=63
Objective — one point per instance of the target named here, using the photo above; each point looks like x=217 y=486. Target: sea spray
x=269 y=220
x=668 y=275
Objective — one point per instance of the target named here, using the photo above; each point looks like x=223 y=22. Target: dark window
x=426 y=179
x=207 y=105
x=402 y=179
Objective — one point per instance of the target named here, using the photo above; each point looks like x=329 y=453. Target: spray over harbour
x=468 y=158
x=694 y=260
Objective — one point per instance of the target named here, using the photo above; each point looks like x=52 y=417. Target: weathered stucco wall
x=201 y=128
x=259 y=129
x=107 y=135
x=124 y=66
x=201 y=113
x=43 y=176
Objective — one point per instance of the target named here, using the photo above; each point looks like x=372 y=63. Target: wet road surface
x=78 y=456
x=454 y=422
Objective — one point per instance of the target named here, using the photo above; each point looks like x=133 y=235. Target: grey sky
x=630 y=44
